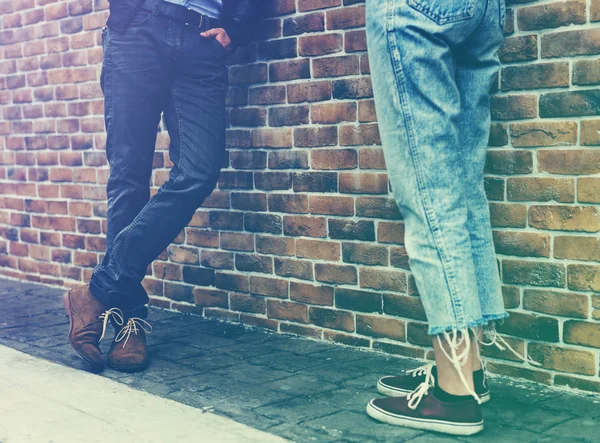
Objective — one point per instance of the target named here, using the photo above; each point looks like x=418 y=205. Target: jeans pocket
x=444 y=11
x=140 y=17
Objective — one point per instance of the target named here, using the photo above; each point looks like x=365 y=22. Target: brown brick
x=289 y=70
x=274 y=8
x=345 y=18
x=577 y=383
x=232 y=282
x=508 y=162
x=309 y=5
x=351 y=230
x=389 y=232
x=514 y=107
x=288 y=160
x=590 y=132
x=378 y=207
x=274 y=245
x=349 y=340
x=272 y=287
x=331 y=318
x=270 y=181
x=247 y=74
x=571 y=103
x=524 y=244
x=395 y=349
x=309 y=92
x=582 y=333
x=331 y=205
x=364 y=183
x=386 y=280
x=315 y=182
x=543 y=189
x=335 y=66
x=565 y=218
x=296 y=329
x=291 y=203
x=404 y=306
x=381 y=327
x=540 y=75
x=575 y=161
x=551 y=15
x=272 y=138
x=301 y=269
x=179 y=292
x=568 y=304
x=277 y=49
x=314 y=295
x=568 y=43
x=584 y=277
x=334 y=159
x=352 y=88
x=305 y=23
x=534 y=273
x=577 y=248
x=305 y=226
x=318 y=249
x=521 y=48
x=320 y=44
x=533 y=134
x=198 y=237
x=361 y=253
x=586 y=72
x=588 y=190
x=355 y=300
x=333 y=112
x=530 y=326
x=212 y=298
x=595 y=11
x=247 y=303
x=253 y=263
x=267 y=95
x=256 y=222
x=286 y=310
x=216 y=259
x=336 y=274
x=248 y=117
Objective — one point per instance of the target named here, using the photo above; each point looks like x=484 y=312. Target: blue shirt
x=211 y=8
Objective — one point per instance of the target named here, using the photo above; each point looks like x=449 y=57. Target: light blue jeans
x=433 y=63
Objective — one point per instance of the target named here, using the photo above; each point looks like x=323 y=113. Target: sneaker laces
x=498 y=341
x=422 y=370
x=415 y=397
x=133 y=325
x=116 y=314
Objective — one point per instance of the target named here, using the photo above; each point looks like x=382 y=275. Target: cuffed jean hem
x=140 y=311
x=435 y=330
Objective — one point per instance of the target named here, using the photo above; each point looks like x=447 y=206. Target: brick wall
x=302 y=235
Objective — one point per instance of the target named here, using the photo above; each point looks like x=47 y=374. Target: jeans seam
x=415 y=158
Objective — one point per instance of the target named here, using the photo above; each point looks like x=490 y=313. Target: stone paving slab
x=297 y=388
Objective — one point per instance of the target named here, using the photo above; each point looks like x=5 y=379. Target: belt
x=181 y=14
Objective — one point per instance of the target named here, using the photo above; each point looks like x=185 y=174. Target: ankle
x=456 y=387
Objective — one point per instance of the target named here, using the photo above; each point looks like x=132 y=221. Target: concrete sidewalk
x=42 y=401
x=296 y=388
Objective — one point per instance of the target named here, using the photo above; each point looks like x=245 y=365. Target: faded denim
x=156 y=66
x=433 y=63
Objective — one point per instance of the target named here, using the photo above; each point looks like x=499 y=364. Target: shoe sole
x=128 y=368
x=445 y=427
x=67 y=302
x=396 y=392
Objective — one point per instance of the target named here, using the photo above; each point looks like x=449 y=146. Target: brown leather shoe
x=86 y=324
x=128 y=352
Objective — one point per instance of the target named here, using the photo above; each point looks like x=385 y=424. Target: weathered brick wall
x=302 y=235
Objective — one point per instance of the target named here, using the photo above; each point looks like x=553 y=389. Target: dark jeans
x=156 y=66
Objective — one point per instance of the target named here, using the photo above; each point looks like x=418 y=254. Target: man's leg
x=135 y=85
x=195 y=116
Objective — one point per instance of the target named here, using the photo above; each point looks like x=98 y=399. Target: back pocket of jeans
x=444 y=11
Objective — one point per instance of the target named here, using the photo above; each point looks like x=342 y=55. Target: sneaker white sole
x=446 y=427
x=389 y=391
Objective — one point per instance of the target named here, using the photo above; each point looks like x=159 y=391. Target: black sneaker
x=402 y=385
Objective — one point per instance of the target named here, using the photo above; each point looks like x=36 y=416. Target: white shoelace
x=422 y=370
x=415 y=397
x=105 y=317
x=502 y=344
x=134 y=325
